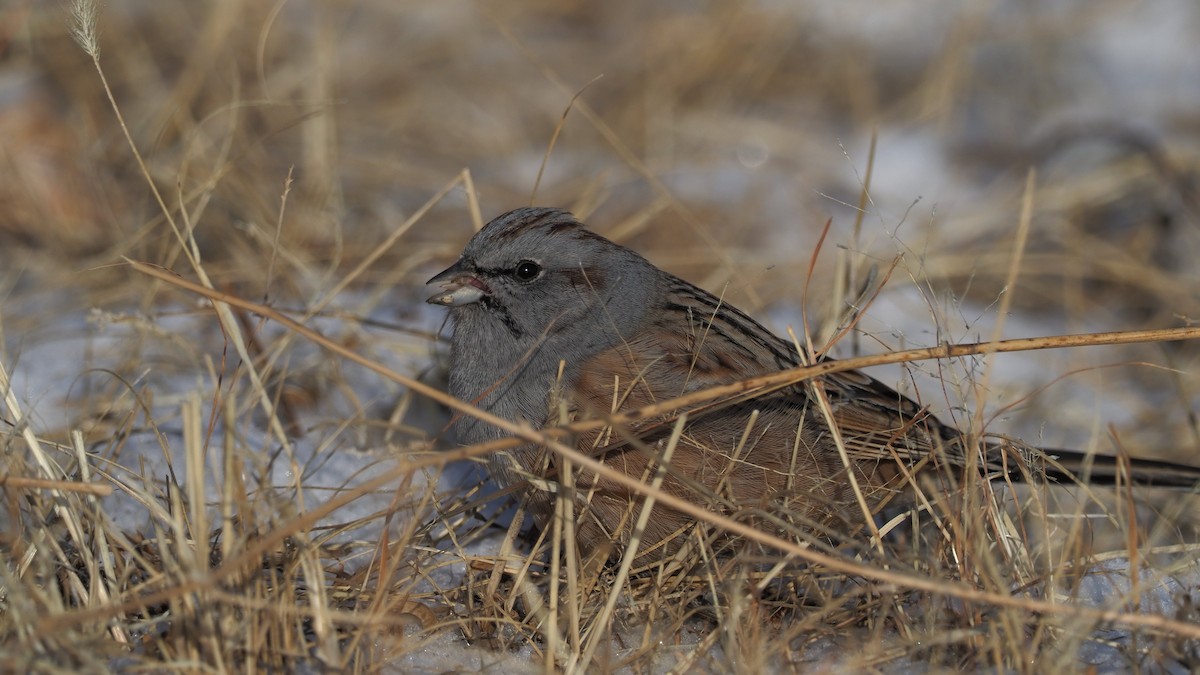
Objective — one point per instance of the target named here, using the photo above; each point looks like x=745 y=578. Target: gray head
x=537 y=276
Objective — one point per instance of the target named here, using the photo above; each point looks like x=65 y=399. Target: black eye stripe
x=512 y=271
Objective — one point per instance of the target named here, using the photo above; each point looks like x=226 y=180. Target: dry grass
x=195 y=486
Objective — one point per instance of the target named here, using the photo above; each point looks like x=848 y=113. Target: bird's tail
x=1020 y=462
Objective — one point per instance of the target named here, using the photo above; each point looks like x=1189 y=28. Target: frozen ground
x=762 y=176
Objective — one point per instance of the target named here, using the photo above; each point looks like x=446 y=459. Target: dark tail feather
x=1070 y=466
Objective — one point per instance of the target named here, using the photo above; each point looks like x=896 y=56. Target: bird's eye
x=526 y=270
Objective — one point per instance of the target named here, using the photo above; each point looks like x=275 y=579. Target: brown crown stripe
x=520 y=220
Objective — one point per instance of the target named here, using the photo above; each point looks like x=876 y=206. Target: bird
x=553 y=323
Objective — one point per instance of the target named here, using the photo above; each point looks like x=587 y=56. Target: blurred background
x=716 y=137
x=719 y=138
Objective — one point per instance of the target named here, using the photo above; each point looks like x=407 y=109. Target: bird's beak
x=459 y=286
